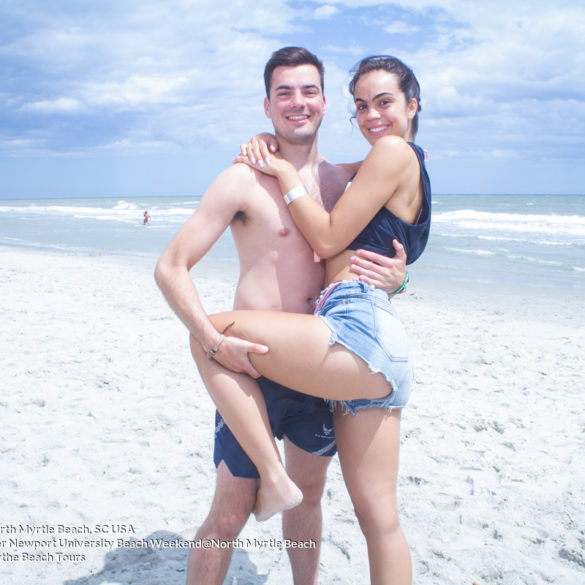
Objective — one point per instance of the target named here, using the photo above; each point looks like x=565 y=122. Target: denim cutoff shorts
x=362 y=319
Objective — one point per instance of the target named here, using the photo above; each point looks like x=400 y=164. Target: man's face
x=297 y=104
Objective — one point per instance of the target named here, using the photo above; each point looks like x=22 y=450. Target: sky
x=153 y=97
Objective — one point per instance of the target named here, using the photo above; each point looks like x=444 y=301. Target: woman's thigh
x=300 y=355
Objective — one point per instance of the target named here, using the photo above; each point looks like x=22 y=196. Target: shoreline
x=227 y=268
x=105 y=423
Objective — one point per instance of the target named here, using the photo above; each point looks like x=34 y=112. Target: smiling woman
x=399 y=84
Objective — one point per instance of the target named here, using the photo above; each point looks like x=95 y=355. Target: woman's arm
x=384 y=170
x=387 y=273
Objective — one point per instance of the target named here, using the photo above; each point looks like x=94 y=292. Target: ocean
x=516 y=240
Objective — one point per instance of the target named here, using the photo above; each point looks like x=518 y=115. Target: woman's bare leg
x=300 y=356
x=368 y=444
x=241 y=404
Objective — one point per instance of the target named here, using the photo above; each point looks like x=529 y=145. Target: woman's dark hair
x=407 y=80
x=291 y=57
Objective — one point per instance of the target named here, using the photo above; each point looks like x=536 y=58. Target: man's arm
x=216 y=210
x=386 y=273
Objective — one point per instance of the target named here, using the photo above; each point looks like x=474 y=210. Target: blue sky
x=153 y=97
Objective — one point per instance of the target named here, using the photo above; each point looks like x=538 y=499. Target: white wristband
x=295 y=194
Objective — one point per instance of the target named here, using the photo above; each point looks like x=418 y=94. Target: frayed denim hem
x=350 y=406
x=353 y=406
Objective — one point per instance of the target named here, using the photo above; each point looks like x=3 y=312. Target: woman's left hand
x=259 y=147
x=273 y=165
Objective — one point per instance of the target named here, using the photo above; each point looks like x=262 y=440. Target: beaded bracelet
x=211 y=353
x=402 y=287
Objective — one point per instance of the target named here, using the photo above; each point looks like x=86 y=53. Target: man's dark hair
x=291 y=57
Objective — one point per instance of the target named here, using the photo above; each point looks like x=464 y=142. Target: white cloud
x=146 y=57
x=61 y=105
x=497 y=77
x=21 y=144
x=325 y=11
x=400 y=27
x=137 y=90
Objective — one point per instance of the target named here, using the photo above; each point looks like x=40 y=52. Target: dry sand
x=106 y=426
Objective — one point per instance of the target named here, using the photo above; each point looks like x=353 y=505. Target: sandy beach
x=106 y=435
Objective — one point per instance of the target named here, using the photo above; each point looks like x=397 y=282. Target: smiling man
x=278 y=271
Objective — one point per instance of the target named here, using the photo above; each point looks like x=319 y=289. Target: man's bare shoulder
x=332 y=182
x=334 y=173
x=235 y=175
x=233 y=190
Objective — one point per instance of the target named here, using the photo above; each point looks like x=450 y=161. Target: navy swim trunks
x=305 y=420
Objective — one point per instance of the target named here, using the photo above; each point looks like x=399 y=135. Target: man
x=278 y=271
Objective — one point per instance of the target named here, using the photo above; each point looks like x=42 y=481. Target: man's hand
x=233 y=355
x=381 y=271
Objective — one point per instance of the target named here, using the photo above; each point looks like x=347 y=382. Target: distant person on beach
x=146 y=218
x=354 y=350
x=278 y=271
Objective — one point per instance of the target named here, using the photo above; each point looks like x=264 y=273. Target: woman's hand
x=273 y=165
x=261 y=153
x=260 y=147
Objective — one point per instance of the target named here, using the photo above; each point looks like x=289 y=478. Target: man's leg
x=304 y=522
x=232 y=505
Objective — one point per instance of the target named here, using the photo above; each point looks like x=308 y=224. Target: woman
x=353 y=351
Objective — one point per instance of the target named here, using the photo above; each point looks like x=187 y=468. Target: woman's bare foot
x=276 y=497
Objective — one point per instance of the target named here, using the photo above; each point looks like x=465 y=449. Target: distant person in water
x=146 y=218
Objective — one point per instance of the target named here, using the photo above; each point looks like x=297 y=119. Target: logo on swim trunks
x=219 y=426
x=327 y=431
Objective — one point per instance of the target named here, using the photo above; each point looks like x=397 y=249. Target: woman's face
x=381 y=106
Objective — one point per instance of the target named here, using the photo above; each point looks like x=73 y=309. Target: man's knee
x=312 y=488
x=232 y=505
x=223 y=523
x=308 y=471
